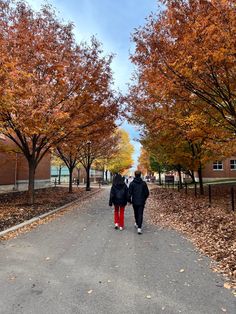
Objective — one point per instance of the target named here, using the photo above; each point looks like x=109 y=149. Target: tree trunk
x=180 y=178
x=191 y=173
x=103 y=173
x=200 y=179
x=32 y=168
x=159 y=175
x=106 y=172
x=70 y=179
x=88 y=178
x=59 y=175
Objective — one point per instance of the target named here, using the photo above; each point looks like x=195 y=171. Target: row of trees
x=110 y=153
x=55 y=94
x=184 y=91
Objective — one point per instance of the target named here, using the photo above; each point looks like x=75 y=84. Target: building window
x=233 y=164
x=218 y=165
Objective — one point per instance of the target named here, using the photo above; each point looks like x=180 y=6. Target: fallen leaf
x=148 y=297
x=90 y=291
x=223 y=310
x=227 y=285
x=181 y=270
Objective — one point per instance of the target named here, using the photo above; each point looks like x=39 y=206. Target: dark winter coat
x=138 y=192
x=118 y=195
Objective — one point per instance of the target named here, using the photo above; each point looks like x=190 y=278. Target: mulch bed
x=211 y=229
x=14 y=208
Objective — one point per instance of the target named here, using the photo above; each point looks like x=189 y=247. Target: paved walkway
x=79 y=264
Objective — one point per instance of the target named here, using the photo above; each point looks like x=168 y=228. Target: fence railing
x=217 y=194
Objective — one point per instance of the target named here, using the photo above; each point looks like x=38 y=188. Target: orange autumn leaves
x=51 y=87
x=184 y=91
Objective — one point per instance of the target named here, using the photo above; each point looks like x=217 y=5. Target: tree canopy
x=184 y=91
x=50 y=85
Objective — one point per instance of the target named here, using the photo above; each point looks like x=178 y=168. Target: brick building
x=216 y=170
x=14 y=169
x=220 y=170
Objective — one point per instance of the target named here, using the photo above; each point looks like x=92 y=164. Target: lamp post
x=88 y=165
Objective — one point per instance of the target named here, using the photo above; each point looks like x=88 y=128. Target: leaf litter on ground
x=211 y=229
x=14 y=208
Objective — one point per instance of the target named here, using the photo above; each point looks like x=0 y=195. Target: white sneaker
x=135 y=226
x=116 y=226
x=139 y=231
x=121 y=228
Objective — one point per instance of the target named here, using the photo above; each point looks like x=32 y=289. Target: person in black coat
x=118 y=198
x=138 y=194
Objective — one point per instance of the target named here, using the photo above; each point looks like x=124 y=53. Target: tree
x=175 y=132
x=57 y=87
x=59 y=163
x=190 y=48
x=182 y=128
x=98 y=148
x=144 y=162
x=97 y=143
x=156 y=167
x=122 y=160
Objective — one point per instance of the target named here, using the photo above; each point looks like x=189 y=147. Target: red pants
x=119 y=215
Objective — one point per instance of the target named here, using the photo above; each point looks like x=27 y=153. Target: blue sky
x=112 y=22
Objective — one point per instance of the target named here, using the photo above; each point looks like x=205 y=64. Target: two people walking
x=136 y=194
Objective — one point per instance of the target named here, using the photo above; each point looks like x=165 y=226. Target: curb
x=32 y=220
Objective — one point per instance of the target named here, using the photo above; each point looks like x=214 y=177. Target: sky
x=112 y=22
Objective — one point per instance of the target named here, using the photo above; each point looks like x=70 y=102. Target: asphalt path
x=78 y=263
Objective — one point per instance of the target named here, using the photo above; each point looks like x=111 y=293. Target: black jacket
x=118 y=195
x=138 y=192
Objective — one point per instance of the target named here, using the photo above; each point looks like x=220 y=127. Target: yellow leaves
x=122 y=160
x=144 y=161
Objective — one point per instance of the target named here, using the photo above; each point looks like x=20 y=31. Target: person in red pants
x=118 y=198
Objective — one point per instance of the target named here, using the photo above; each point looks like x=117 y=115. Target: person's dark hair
x=137 y=174
x=118 y=179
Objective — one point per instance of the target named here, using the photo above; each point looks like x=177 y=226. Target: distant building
x=78 y=173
